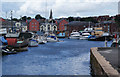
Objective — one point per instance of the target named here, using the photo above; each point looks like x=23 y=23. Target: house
x=61 y=24
x=33 y=25
x=48 y=27
x=24 y=27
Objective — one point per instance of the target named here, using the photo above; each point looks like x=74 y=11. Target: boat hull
x=108 y=38
x=33 y=44
x=51 y=40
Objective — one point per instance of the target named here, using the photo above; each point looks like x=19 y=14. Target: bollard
x=105 y=43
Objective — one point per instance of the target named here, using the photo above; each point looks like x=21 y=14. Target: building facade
x=33 y=25
x=48 y=27
x=61 y=24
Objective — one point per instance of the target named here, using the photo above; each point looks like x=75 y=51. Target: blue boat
x=61 y=35
x=3 y=40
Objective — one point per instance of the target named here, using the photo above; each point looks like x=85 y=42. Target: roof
x=104 y=22
x=78 y=23
x=58 y=21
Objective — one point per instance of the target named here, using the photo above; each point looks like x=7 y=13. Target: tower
x=50 y=14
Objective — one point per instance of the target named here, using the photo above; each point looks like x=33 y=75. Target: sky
x=60 y=8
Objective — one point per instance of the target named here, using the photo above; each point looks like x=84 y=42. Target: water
x=71 y=57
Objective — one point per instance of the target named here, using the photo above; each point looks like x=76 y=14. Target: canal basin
x=71 y=57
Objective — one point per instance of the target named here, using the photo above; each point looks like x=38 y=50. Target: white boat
x=84 y=35
x=52 y=38
x=74 y=35
x=33 y=43
x=42 y=39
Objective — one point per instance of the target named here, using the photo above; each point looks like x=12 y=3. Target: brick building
x=61 y=24
x=33 y=25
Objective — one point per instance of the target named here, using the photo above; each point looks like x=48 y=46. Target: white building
x=48 y=27
x=23 y=26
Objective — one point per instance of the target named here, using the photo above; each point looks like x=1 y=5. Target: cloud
x=62 y=8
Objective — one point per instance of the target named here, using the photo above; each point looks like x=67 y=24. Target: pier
x=105 y=61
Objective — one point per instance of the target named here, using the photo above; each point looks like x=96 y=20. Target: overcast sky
x=61 y=8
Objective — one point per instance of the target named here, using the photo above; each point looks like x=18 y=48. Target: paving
x=112 y=55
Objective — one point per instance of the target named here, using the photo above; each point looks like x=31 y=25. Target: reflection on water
x=71 y=57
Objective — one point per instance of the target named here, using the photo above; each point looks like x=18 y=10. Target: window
x=32 y=26
x=41 y=28
x=54 y=28
x=32 y=23
x=35 y=26
x=48 y=27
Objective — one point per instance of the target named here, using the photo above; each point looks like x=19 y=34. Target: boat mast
x=11 y=22
x=21 y=23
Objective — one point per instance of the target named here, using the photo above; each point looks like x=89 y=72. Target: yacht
x=33 y=42
x=84 y=35
x=74 y=35
x=52 y=38
x=42 y=39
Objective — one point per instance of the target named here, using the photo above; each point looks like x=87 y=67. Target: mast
x=21 y=23
x=11 y=22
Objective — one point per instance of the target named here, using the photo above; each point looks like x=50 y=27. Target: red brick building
x=33 y=25
x=61 y=24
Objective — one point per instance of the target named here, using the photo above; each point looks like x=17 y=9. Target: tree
x=70 y=19
x=24 y=18
x=28 y=18
x=89 y=19
x=38 y=16
x=15 y=19
x=117 y=20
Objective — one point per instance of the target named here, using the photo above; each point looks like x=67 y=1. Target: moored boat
x=33 y=43
x=74 y=35
x=105 y=36
x=42 y=39
x=51 y=37
x=17 y=43
x=61 y=35
x=6 y=51
x=84 y=35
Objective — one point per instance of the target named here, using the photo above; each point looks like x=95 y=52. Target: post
x=105 y=42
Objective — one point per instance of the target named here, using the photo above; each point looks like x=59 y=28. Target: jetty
x=105 y=61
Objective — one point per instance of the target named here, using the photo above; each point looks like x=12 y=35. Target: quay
x=105 y=61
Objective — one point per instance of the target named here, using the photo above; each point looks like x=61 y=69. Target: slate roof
x=78 y=23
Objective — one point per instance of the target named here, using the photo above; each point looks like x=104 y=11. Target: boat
x=17 y=43
x=84 y=35
x=33 y=42
x=42 y=39
x=3 y=40
x=115 y=43
x=74 y=35
x=61 y=35
x=104 y=37
x=52 y=38
x=6 y=51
